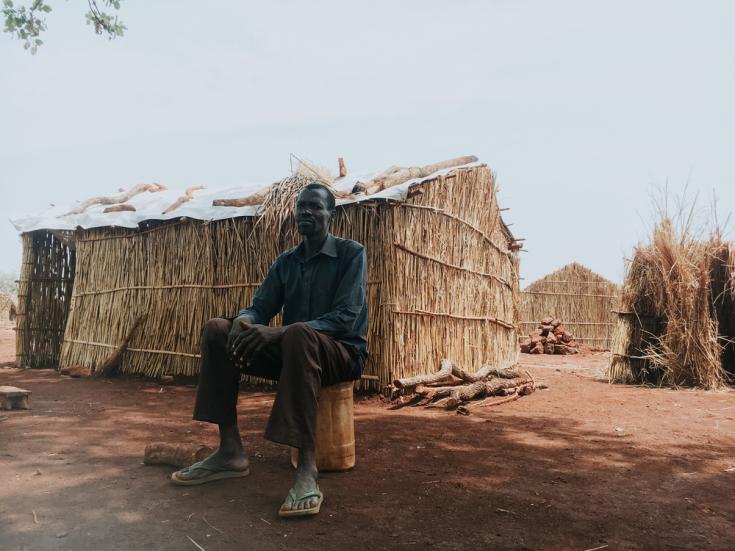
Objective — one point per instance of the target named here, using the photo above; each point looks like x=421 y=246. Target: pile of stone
x=550 y=338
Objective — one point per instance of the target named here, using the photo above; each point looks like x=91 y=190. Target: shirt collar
x=329 y=248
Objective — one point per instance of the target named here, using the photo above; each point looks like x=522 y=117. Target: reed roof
x=152 y=206
x=570 y=274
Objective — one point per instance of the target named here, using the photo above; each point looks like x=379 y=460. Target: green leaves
x=26 y=23
x=104 y=22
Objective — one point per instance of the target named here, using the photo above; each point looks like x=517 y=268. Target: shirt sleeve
x=268 y=299
x=349 y=299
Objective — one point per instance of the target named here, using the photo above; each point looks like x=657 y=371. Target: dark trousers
x=302 y=362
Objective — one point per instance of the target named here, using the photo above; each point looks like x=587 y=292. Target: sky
x=584 y=110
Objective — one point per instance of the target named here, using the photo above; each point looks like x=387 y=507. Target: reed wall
x=582 y=299
x=44 y=297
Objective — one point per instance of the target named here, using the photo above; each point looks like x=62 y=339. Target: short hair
x=331 y=203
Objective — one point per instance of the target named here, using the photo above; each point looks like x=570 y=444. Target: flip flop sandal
x=215 y=473
x=301 y=512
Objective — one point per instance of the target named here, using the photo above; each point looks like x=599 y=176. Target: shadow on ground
x=539 y=474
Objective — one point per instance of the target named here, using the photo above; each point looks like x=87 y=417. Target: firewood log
x=547 y=320
x=188 y=196
x=537 y=349
x=119 y=208
x=548 y=348
x=176 y=455
x=251 y=200
x=546 y=329
x=112 y=200
x=76 y=371
x=111 y=365
x=397 y=175
x=482 y=389
x=556 y=322
x=445 y=372
x=551 y=338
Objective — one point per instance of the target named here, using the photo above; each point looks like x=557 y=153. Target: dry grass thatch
x=441 y=281
x=577 y=295
x=8 y=306
x=668 y=332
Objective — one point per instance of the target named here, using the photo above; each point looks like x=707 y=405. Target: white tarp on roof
x=150 y=206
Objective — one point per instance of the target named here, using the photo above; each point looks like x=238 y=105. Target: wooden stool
x=12 y=397
x=335 y=429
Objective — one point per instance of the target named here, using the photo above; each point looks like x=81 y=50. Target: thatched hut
x=442 y=279
x=8 y=308
x=582 y=299
x=676 y=320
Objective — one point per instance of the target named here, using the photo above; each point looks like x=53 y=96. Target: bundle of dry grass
x=442 y=281
x=579 y=296
x=722 y=277
x=8 y=308
x=667 y=330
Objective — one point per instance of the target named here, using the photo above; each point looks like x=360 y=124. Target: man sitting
x=321 y=286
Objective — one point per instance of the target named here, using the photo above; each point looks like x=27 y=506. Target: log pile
x=550 y=338
x=453 y=388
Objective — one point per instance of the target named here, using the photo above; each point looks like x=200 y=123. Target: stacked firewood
x=550 y=338
x=453 y=388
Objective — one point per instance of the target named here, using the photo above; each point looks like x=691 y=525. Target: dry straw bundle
x=668 y=330
x=577 y=295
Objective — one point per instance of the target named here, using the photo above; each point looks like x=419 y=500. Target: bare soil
x=582 y=465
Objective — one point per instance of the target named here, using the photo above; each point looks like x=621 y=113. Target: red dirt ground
x=582 y=465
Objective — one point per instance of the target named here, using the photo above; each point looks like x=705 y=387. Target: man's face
x=312 y=212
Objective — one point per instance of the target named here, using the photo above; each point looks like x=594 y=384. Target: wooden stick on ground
x=482 y=388
x=444 y=373
x=112 y=363
x=485 y=372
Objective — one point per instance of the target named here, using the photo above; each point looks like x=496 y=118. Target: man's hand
x=249 y=339
x=236 y=332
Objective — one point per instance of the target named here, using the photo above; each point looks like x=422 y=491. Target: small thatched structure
x=581 y=298
x=44 y=295
x=8 y=307
x=442 y=280
x=676 y=318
